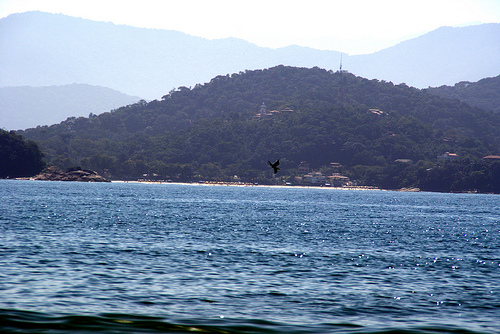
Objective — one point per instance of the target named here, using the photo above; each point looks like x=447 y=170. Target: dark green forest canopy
x=484 y=94
x=211 y=131
x=18 y=157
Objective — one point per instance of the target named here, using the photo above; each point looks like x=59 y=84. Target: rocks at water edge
x=53 y=173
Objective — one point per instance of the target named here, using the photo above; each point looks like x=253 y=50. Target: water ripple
x=174 y=258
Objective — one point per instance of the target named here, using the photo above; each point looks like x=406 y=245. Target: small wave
x=17 y=321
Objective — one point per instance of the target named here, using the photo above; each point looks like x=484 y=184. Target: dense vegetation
x=18 y=157
x=211 y=132
x=484 y=94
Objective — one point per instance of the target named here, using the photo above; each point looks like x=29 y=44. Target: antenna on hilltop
x=340 y=69
x=342 y=82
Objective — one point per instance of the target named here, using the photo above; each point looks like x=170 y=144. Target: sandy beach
x=243 y=184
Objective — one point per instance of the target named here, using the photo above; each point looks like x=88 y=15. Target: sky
x=350 y=26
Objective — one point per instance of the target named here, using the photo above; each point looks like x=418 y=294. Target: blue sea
x=155 y=258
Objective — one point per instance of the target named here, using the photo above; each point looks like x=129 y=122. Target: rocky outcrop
x=72 y=174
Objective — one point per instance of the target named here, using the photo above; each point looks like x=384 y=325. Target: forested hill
x=212 y=131
x=484 y=94
x=18 y=157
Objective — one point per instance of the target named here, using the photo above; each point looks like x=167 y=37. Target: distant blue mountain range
x=41 y=49
x=25 y=107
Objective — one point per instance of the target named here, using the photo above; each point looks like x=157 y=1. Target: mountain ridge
x=484 y=94
x=439 y=53
x=26 y=106
x=51 y=49
x=382 y=134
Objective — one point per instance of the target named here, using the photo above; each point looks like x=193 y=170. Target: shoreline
x=242 y=184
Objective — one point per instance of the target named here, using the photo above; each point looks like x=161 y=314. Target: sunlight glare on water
x=227 y=258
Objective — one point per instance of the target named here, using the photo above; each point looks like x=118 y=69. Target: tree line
x=19 y=157
x=211 y=131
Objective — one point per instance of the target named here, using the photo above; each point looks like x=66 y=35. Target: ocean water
x=132 y=258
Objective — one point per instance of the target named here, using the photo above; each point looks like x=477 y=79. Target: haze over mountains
x=23 y=107
x=41 y=49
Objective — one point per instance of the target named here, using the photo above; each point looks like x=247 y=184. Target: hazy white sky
x=351 y=26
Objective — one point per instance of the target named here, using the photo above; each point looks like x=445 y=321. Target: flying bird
x=274 y=165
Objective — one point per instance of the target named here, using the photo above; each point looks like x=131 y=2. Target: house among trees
x=404 y=161
x=264 y=113
x=447 y=156
x=335 y=166
x=377 y=112
x=315 y=178
x=304 y=167
x=337 y=180
x=492 y=157
x=298 y=180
